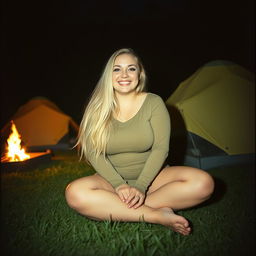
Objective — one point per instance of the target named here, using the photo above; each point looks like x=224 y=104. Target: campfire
x=16 y=157
x=15 y=152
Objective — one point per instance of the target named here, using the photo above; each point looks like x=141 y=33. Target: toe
x=186 y=224
x=178 y=230
x=181 y=229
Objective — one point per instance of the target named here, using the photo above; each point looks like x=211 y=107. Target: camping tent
x=217 y=106
x=42 y=124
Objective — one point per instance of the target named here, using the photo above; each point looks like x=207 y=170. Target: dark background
x=57 y=49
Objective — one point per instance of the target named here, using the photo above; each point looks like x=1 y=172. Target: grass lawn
x=35 y=219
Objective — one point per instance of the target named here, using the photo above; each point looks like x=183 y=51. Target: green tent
x=217 y=107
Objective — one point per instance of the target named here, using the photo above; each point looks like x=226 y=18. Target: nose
x=124 y=74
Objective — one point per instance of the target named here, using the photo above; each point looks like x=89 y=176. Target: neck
x=126 y=98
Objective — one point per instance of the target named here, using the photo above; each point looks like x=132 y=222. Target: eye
x=132 y=69
x=116 y=69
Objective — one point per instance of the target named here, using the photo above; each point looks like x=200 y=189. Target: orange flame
x=14 y=151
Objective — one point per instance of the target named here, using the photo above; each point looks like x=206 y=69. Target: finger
x=126 y=195
x=139 y=203
x=130 y=197
x=121 y=196
x=123 y=193
x=134 y=201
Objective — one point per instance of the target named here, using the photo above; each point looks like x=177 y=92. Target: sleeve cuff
x=141 y=188
x=116 y=184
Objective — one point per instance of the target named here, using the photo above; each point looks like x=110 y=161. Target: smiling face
x=125 y=74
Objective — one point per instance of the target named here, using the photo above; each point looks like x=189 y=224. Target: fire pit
x=16 y=159
x=35 y=160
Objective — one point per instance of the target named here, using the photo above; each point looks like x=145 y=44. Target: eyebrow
x=128 y=65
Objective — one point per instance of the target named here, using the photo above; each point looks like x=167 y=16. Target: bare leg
x=179 y=187
x=95 y=198
x=174 y=188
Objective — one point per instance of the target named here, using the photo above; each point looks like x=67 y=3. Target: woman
x=124 y=135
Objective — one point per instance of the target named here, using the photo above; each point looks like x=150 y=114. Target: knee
x=75 y=197
x=204 y=185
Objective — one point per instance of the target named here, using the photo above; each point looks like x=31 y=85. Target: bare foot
x=176 y=222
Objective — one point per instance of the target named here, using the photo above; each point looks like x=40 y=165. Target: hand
x=130 y=195
x=123 y=192
x=135 y=199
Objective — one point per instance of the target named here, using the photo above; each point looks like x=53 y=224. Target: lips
x=123 y=83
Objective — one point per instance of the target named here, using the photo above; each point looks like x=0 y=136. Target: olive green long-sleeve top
x=137 y=148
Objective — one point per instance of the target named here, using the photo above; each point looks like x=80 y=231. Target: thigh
x=175 y=173
x=91 y=182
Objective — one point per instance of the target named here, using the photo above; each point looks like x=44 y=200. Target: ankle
x=156 y=216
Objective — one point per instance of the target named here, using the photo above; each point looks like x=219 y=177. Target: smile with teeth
x=124 y=82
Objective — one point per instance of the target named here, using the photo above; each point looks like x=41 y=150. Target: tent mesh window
x=199 y=147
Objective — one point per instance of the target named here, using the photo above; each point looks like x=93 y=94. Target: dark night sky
x=57 y=49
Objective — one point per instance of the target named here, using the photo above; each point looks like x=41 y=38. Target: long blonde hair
x=95 y=126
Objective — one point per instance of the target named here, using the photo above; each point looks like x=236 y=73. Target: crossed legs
x=174 y=188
